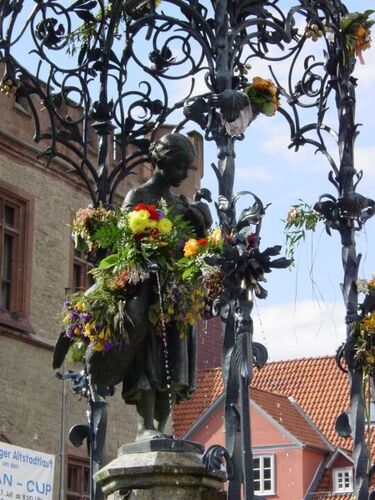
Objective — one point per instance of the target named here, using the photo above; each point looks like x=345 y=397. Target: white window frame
x=342 y=471
x=261 y=458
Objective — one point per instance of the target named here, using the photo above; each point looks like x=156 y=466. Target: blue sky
x=304 y=313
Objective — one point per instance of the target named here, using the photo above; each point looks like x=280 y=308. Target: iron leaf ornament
x=92 y=96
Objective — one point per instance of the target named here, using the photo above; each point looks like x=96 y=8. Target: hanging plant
x=356 y=29
x=301 y=218
x=263 y=95
x=80 y=37
x=364 y=328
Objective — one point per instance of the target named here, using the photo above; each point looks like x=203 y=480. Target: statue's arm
x=132 y=198
x=198 y=213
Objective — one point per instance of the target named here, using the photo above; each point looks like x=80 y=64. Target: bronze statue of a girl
x=156 y=369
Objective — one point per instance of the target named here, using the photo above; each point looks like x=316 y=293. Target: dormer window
x=343 y=480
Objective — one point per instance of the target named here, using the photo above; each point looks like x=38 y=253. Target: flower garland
x=140 y=241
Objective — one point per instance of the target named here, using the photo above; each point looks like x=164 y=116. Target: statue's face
x=177 y=173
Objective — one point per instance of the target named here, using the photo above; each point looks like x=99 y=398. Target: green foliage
x=301 y=218
x=139 y=243
x=357 y=18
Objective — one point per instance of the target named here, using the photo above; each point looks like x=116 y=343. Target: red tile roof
x=288 y=414
x=209 y=388
x=306 y=380
x=316 y=384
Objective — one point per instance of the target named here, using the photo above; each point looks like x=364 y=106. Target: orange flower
x=191 y=247
x=264 y=85
x=363 y=41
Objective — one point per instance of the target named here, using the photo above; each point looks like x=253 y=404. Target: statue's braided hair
x=170 y=149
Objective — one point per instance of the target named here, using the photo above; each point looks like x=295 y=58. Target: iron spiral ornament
x=105 y=71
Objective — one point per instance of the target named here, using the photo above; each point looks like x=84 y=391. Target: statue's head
x=172 y=155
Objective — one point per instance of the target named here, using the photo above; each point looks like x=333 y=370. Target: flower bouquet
x=144 y=242
x=87 y=225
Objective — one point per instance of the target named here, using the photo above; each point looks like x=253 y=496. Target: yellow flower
x=191 y=247
x=80 y=306
x=99 y=346
x=105 y=334
x=215 y=236
x=368 y=323
x=190 y=319
x=138 y=214
x=137 y=222
x=89 y=330
x=165 y=226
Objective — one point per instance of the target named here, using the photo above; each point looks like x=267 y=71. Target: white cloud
x=301 y=330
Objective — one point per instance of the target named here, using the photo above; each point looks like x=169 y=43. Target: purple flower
x=69 y=332
x=160 y=214
x=73 y=316
x=67 y=304
x=86 y=317
x=107 y=346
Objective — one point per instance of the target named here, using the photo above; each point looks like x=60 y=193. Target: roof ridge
x=203 y=371
x=304 y=358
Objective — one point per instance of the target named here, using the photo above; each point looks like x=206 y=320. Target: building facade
x=294 y=406
x=39 y=267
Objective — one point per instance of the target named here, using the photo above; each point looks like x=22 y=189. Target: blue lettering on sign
x=42 y=488
x=6 y=480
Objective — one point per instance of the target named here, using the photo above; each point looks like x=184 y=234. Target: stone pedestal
x=160 y=469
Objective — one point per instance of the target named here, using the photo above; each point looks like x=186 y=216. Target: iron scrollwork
x=91 y=95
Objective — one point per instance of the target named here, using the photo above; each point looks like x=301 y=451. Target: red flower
x=151 y=209
x=203 y=242
x=140 y=206
x=123 y=278
x=251 y=240
x=154 y=214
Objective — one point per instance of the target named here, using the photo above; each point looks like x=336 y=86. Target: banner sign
x=25 y=474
